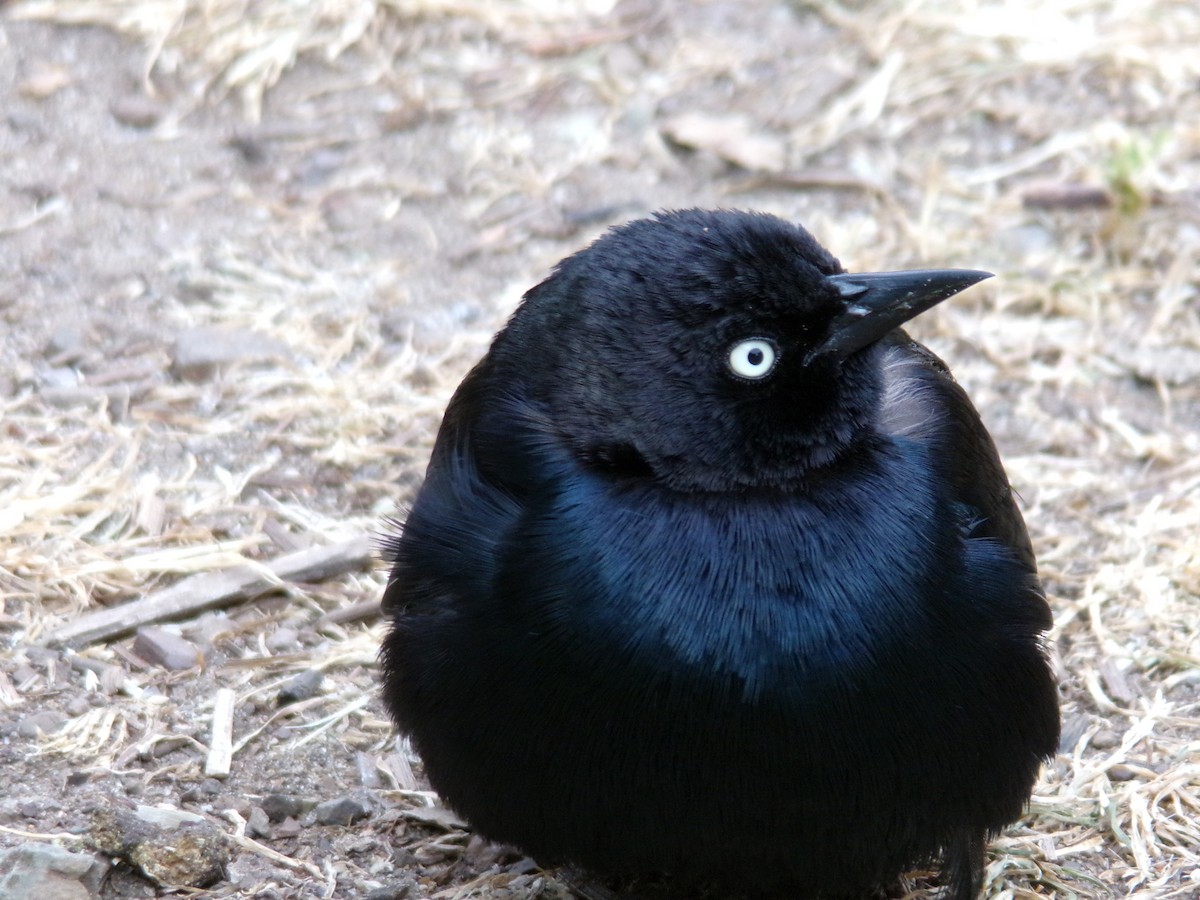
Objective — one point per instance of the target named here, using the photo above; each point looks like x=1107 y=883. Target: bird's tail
x=962 y=868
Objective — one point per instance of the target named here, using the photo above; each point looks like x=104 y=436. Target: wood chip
x=1115 y=682
x=438 y=816
x=162 y=648
x=399 y=768
x=220 y=752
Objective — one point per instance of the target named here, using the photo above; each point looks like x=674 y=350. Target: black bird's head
x=711 y=350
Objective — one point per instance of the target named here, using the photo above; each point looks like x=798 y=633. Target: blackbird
x=716 y=573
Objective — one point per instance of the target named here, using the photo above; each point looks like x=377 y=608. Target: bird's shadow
x=584 y=886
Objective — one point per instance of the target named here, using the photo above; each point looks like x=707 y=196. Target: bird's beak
x=877 y=302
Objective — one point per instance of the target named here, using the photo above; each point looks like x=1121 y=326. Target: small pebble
x=58 y=378
x=1121 y=772
x=301 y=687
x=165 y=747
x=210 y=786
x=66 y=344
x=282 y=806
x=162 y=648
x=342 y=811
x=40 y=655
x=202 y=792
x=283 y=638
x=137 y=111
x=48 y=872
x=78 y=705
x=45 y=722
x=391 y=892
x=257 y=823
x=30 y=809
x=209 y=627
x=288 y=828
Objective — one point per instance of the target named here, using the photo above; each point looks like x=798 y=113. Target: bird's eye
x=753 y=359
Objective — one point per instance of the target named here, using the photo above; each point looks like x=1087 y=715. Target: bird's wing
x=448 y=544
x=922 y=402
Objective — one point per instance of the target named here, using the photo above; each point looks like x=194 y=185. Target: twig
x=44 y=211
x=266 y=852
x=41 y=836
x=213 y=590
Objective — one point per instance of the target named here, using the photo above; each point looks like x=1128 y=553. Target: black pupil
x=755 y=357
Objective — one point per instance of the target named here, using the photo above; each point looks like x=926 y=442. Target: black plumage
x=716 y=572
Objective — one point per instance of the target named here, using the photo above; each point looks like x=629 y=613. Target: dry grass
x=244 y=47
x=1084 y=355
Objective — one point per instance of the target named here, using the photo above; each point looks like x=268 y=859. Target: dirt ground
x=248 y=250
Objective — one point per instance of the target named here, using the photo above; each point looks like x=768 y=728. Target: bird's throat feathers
x=746 y=594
